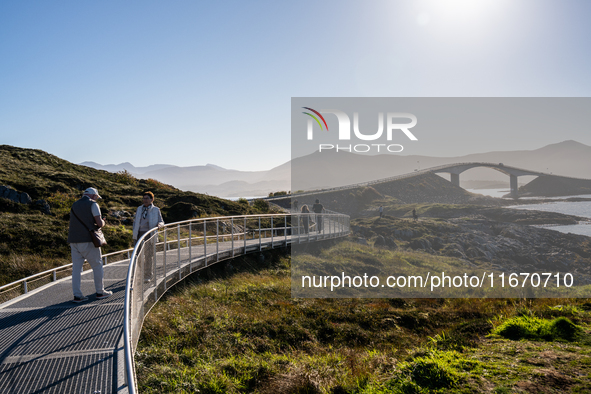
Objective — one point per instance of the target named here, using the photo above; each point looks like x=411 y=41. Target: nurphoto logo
x=344 y=130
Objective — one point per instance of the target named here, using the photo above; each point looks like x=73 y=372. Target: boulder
x=380 y=241
x=24 y=198
x=43 y=206
x=4 y=191
x=12 y=195
x=391 y=243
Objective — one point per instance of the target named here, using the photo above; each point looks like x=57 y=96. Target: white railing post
x=232 y=232
x=285 y=228
x=271 y=232
x=25 y=285
x=164 y=257
x=217 y=240
x=178 y=235
x=244 y=231
x=54 y=275
x=205 y=241
x=154 y=242
x=190 y=246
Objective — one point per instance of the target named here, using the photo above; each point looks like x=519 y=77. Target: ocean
x=579 y=208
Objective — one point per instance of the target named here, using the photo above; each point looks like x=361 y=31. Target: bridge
x=453 y=169
x=456 y=169
x=50 y=345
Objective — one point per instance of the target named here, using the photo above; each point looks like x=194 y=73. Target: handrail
x=145 y=257
x=24 y=281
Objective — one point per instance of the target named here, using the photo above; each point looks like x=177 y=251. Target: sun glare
x=454 y=11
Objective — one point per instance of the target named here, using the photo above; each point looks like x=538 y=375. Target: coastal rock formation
x=480 y=241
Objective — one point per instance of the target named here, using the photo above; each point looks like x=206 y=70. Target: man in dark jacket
x=86 y=215
x=318 y=209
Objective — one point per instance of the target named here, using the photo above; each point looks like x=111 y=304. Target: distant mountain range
x=330 y=169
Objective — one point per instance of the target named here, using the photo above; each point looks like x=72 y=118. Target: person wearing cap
x=147 y=217
x=86 y=215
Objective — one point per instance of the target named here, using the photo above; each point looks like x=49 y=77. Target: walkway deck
x=50 y=345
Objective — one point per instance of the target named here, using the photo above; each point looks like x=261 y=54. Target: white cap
x=91 y=190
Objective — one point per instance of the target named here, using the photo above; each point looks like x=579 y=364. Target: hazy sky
x=196 y=82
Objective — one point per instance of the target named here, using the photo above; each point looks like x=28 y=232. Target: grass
x=535 y=328
x=244 y=333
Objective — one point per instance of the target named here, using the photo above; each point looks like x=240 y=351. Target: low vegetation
x=242 y=332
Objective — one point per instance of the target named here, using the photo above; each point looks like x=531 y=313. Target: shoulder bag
x=98 y=238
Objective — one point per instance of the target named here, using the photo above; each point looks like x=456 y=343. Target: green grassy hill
x=32 y=240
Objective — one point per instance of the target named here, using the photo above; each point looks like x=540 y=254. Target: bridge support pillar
x=455 y=179
x=513 y=183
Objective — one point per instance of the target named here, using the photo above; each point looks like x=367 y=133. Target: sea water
x=577 y=208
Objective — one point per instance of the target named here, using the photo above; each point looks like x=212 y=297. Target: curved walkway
x=50 y=345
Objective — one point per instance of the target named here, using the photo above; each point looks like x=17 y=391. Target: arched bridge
x=456 y=169
x=453 y=169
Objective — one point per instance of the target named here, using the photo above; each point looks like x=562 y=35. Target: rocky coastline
x=501 y=239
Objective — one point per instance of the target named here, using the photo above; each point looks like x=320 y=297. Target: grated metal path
x=50 y=345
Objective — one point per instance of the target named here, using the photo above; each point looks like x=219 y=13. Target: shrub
x=261 y=205
x=154 y=184
x=126 y=178
x=534 y=328
x=59 y=200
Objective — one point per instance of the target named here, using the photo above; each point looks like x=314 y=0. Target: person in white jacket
x=147 y=217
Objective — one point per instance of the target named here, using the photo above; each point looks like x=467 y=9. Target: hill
x=554 y=186
x=331 y=169
x=422 y=188
x=33 y=230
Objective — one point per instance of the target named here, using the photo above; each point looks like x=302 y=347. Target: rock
x=44 y=206
x=12 y=195
x=119 y=214
x=362 y=241
x=380 y=241
x=420 y=244
x=24 y=198
x=391 y=243
x=4 y=190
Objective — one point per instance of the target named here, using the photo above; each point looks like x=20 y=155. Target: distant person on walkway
x=381 y=211
x=147 y=217
x=86 y=215
x=306 y=219
x=295 y=205
x=318 y=210
x=414 y=214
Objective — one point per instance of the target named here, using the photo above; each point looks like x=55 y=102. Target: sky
x=195 y=82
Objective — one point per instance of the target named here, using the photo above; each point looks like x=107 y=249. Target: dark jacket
x=77 y=232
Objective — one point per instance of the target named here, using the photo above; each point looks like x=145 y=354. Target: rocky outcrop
x=479 y=241
x=10 y=194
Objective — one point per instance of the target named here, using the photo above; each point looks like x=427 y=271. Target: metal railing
x=163 y=257
x=25 y=285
